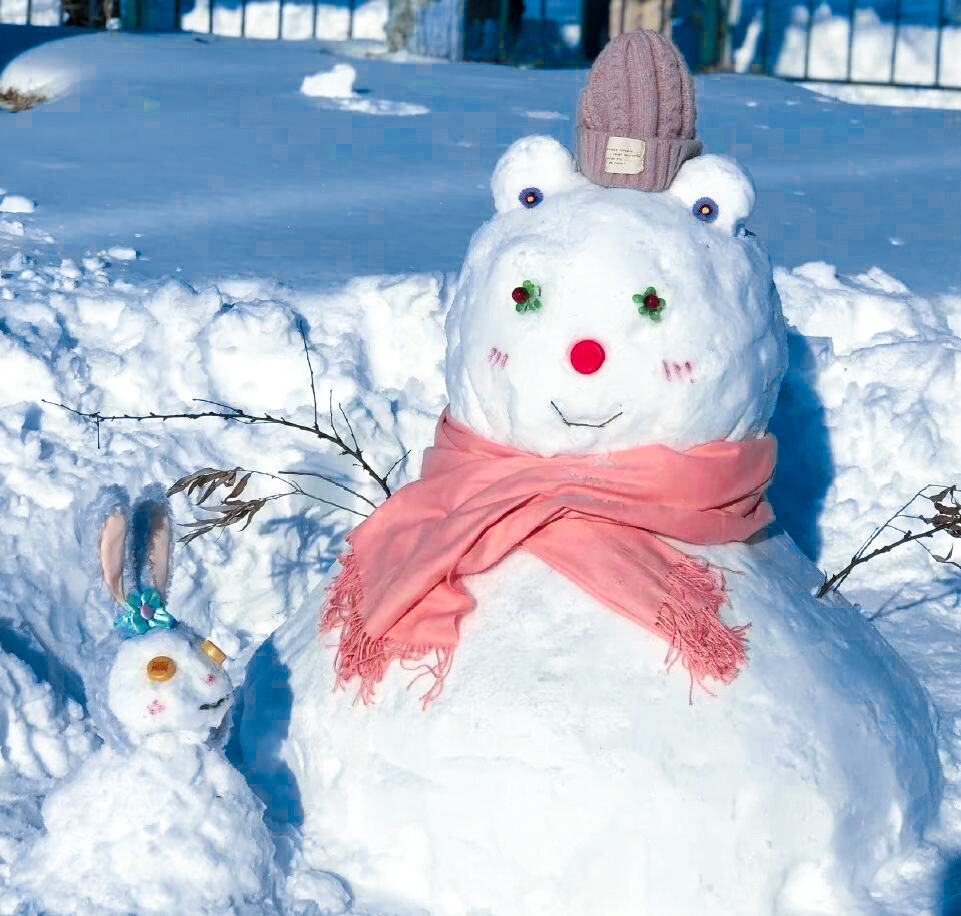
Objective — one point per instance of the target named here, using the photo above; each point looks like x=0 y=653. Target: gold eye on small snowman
x=161 y=668
x=213 y=652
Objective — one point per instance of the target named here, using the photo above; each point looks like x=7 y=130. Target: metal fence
x=231 y=17
x=936 y=18
x=789 y=39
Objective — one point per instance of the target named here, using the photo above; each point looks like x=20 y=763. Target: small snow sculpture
x=164 y=825
x=593 y=503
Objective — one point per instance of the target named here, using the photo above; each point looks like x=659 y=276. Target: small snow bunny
x=164 y=825
x=163 y=681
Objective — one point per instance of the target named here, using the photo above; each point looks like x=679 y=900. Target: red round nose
x=587 y=356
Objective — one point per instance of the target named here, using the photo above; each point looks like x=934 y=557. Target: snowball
x=123 y=253
x=14 y=203
x=334 y=84
x=336 y=87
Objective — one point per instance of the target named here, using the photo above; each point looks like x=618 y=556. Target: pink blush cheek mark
x=497 y=358
x=210 y=678
x=677 y=372
x=156 y=708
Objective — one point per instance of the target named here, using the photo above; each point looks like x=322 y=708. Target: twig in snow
x=227 y=412
x=947 y=518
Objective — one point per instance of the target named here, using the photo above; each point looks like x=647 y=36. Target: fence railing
x=907 y=49
x=293 y=19
x=914 y=44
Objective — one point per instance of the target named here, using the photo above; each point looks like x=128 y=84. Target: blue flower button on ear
x=531 y=197
x=705 y=210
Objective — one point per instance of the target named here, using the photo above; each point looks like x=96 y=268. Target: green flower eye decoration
x=648 y=303
x=527 y=297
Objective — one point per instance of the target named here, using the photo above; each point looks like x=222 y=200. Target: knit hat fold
x=636 y=114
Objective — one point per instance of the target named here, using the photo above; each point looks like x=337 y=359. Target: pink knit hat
x=635 y=124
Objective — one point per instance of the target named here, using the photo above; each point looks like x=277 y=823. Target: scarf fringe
x=368 y=658
x=691 y=622
x=689 y=619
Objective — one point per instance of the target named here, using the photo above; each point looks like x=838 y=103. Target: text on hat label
x=625 y=156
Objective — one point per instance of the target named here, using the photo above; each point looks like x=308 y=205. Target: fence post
x=937 y=58
x=894 y=45
x=708 y=51
x=350 y=20
x=807 y=37
x=502 y=21
x=280 y=20
x=850 y=38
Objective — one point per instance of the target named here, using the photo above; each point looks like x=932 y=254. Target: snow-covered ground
x=180 y=208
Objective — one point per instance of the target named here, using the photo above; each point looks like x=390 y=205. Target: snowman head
x=590 y=319
x=164 y=680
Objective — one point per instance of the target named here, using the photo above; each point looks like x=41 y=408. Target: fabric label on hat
x=625 y=156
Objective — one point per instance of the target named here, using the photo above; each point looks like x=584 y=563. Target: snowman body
x=564 y=769
x=166 y=824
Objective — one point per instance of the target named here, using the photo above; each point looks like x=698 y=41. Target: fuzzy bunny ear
x=160 y=548
x=113 y=538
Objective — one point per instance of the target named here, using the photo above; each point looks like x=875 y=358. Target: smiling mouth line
x=592 y=425
x=219 y=702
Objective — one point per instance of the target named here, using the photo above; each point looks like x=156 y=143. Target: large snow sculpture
x=563 y=768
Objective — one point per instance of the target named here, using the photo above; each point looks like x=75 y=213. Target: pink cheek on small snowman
x=678 y=372
x=210 y=679
x=156 y=707
x=497 y=358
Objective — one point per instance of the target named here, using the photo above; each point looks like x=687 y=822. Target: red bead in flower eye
x=651 y=302
x=520 y=294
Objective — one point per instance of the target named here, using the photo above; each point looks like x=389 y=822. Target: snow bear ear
x=716 y=190
x=531 y=171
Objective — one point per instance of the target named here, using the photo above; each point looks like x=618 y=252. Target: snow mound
x=334 y=84
x=165 y=828
x=42 y=739
x=15 y=203
x=873 y=391
x=336 y=87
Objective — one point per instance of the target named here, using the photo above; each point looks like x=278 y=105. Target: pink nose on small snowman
x=587 y=356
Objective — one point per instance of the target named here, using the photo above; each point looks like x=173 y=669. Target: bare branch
x=947 y=519
x=334 y=482
x=235 y=414
x=350 y=429
x=391 y=469
x=310 y=370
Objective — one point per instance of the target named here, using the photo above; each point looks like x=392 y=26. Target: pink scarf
x=598 y=519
